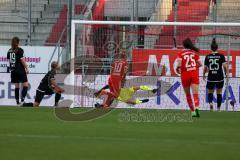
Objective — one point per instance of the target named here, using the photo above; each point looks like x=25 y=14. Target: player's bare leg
x=219 y=99
x=195 y=91
x=96 y=94
x=210 y=98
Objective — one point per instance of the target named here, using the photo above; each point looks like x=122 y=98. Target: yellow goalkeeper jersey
x=126 y=94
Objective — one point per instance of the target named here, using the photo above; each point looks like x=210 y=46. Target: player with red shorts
x=188 y=66
x=116 y=80
x=118 y=75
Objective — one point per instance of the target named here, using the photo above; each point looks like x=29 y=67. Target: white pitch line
x=151 y=140
x=56 y=137
x=29 y=136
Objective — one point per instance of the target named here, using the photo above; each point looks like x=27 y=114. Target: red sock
x=103 y=92
x=109 y=100
x=196 y=99
x=190 y=102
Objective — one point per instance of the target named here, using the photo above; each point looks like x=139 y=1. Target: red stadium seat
x=60 y=24
x=188 y=11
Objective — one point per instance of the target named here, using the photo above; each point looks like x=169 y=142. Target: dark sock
x=145 y=100
x=24 y=93
x=219 y=100
x=155 y=90
x=105 y=87
x=27 y=105
x=97 y=105
x=57 y=98
x=210 y=98
x=17 y=94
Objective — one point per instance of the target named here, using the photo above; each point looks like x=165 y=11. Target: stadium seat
x=47 y=22
x=188 y=11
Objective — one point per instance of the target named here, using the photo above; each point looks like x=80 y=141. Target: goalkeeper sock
x=141 y=101
x=17 y=95
x=145 y=100
x=146 y=88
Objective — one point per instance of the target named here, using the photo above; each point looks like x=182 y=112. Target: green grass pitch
x=36 y=134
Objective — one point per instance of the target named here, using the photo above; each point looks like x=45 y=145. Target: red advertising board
x=149 y=61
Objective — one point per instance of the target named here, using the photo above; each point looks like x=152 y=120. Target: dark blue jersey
x=214 y=62
x=14 y=56
x=46 y=81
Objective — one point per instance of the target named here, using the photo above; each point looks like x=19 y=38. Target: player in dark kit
x=18 y=69
x=214 y=65
x=47 y=86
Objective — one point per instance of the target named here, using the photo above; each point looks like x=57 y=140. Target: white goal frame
x=137 y=23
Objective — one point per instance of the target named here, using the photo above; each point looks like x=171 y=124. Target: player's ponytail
x=187 y=43
x=214 y=45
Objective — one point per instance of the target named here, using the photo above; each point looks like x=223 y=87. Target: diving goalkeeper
x=126 y=95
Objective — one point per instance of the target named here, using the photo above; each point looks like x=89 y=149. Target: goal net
x=151 y=49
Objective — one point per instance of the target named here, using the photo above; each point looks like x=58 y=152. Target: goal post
x=94 y=43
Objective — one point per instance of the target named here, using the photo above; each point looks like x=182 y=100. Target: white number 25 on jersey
x=190 y=61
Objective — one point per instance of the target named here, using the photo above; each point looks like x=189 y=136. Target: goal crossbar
x=149 y=23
